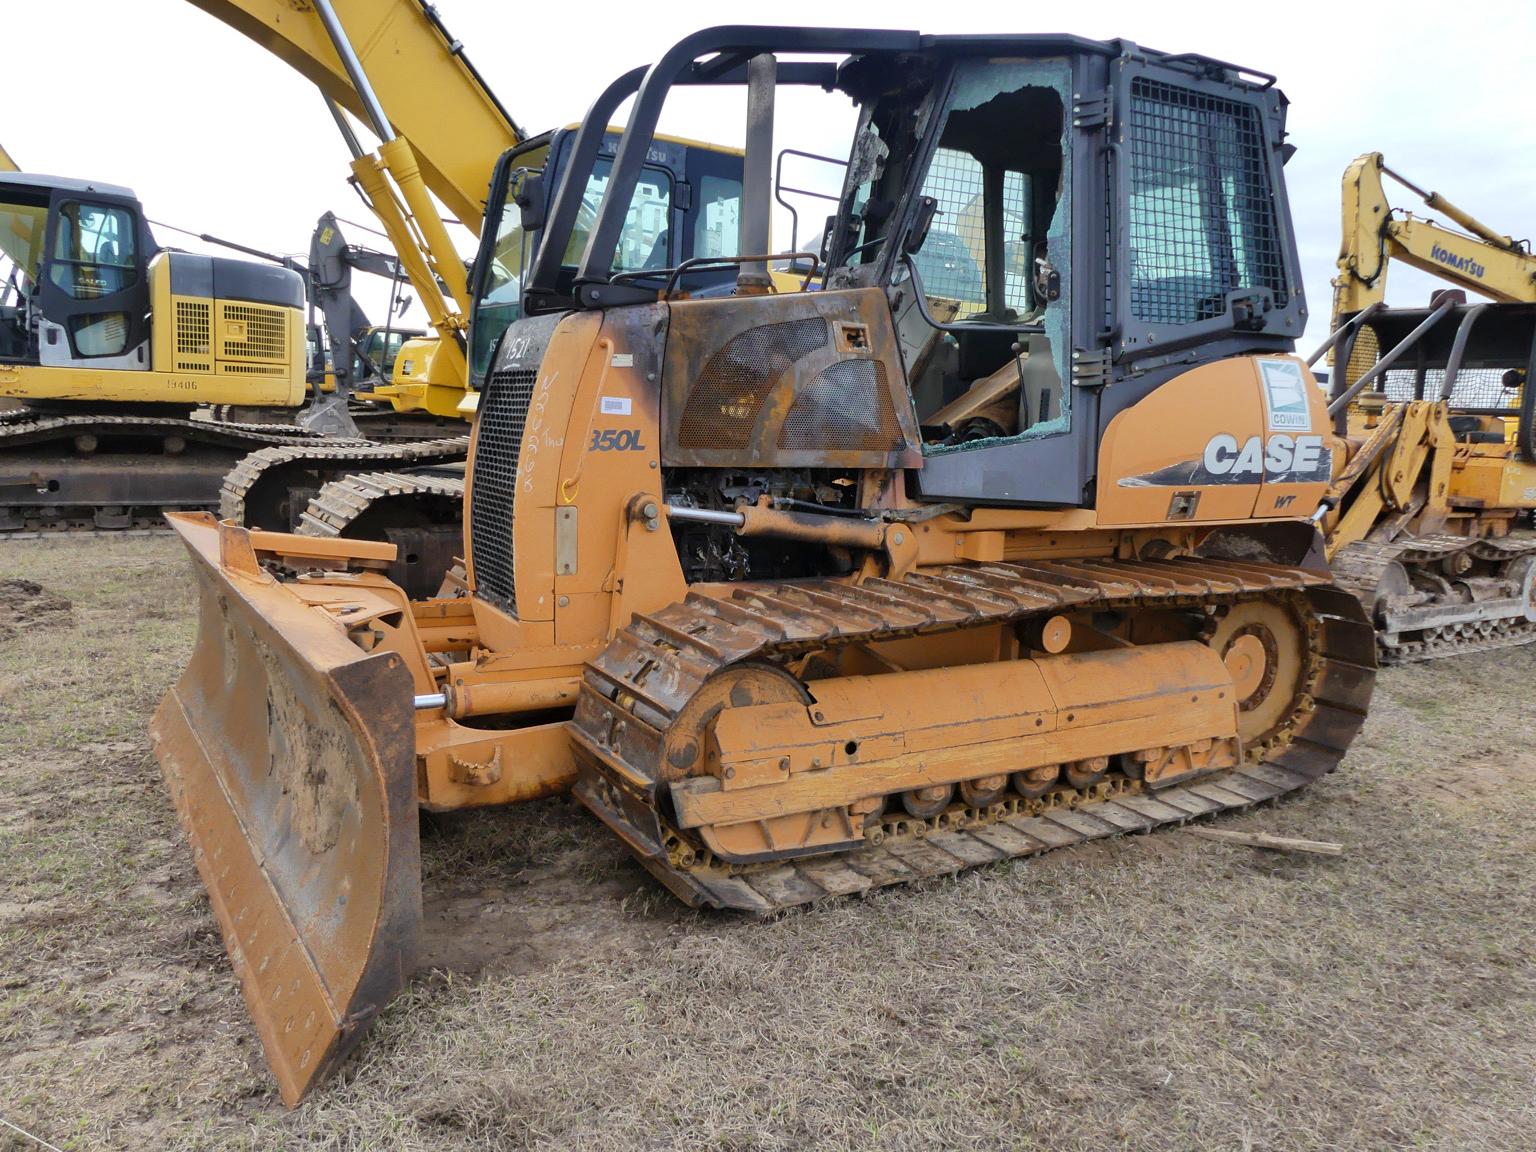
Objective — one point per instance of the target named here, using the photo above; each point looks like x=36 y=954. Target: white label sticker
x=1285 y=396
x=615 y=405
x=623 y=360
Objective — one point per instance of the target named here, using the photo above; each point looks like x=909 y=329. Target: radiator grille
x=194 y=336
x=846 y=407
x=493 y=493
x=726 y=401
x=266 y=334
x=1202 y=215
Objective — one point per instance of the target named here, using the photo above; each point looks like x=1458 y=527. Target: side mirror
x=525 y=188
x=917 y=235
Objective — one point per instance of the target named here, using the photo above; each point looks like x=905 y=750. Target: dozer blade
x=290 y=757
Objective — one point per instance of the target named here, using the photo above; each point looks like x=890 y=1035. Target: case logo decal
x=1280 y=456
x=1278 y=459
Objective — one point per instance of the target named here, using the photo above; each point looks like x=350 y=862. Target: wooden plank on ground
x=1270 y=841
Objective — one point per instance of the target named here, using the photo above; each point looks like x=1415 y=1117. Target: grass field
x=1157 y=992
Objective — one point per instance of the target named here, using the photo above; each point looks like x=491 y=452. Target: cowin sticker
x=1285 y=396
x=615 y=406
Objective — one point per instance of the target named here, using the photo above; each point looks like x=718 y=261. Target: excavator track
x=421 y=513
x=641 y=685
x=377 y=423
x=341 y=503
x=1413 y=624
x=101 y=473
x=260 y=491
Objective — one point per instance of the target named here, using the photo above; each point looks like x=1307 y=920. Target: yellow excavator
x=729 y=576
x=396 y=68
x=110 y=342
x=1428 y=518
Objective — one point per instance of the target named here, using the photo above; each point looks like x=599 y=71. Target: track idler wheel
x=1264 y=646
x=1522 y=574
x=689 y=748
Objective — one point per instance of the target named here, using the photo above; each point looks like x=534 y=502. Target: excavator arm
x=393 y=64
x=6 y=163
x=1480 y=259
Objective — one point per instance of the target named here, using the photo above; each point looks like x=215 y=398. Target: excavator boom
x=431 y=93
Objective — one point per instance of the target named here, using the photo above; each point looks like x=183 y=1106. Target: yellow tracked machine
x=1428 y=520
x=938 y=561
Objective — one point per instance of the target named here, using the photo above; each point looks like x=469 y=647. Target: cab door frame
x=57 y=344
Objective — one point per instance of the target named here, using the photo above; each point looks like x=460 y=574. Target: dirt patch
x=27 y=604
x=491 y=905
x=1490 y=774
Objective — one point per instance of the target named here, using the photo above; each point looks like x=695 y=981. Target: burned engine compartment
x=715 y=552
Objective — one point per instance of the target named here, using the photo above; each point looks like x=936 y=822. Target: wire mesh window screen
x=1479 y=388
x=1201 y=214
x=952 y=259
x=1476 y=388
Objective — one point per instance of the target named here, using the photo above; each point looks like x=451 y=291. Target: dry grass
x=1158 y=992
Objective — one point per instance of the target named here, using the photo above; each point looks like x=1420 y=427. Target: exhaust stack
x=757 y=176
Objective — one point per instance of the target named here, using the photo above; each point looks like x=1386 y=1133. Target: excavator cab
x=734 y=573
x=93 y=307
x=78 y=276
x=686 y=205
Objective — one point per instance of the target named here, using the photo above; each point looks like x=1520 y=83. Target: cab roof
x=36 y=181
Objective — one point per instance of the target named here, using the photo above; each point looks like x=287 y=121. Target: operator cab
x=74 y=263
x=1049 y=222
x=1033 y=234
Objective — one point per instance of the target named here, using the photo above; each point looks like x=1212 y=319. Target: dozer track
x=272 y=487
x=1461 y=596
x=102 y=472
x=648 y=685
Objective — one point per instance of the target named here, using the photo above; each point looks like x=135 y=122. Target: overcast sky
x=217 y=136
